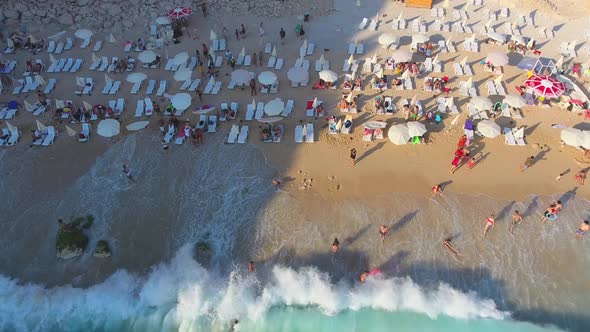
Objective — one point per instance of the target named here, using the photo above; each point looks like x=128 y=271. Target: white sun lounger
x=140 y=108
x=85 y=43
x=233 y=134
x=18 y=87
x=250 y=112
x=310 y=48
x=194 y=85
x=509 y=138
x=212 y=124
x=87 y=90
x=271 y=62
x=120 y=107
x=60 y=65
x=222 y=44
x=491 y=88
x=240 y=60
x=169 y=135
x=186 y=84
x=115 y=88
x=149 y=106
x=76 y=67
x=162 y=88
x=69 y=44
x=259 y=111
x=97 y=46
x=363 y=23
x=216 y=88
x=248 y=60
x=51 y=134
x=68 y=65
x=151 y=87
x=169 y=65
x=95 y=65
x=219 y=61
x=85 y=133
x=59 y=48
x=13 y=139
x=135 y=88
x=40 y=109
x=360 y=49
x=279 y=64
x=52 y=66
x=128 y=46
x=288 y=108
x=50 y=86
x=243 y=136
x=467 y=70
x=268 y=48
x=408 y=84
x=500 y=88
x=309 y=133
x=427 y=65
x=215 y=45
x=458 y=69
x=104 y=64
x=51 y=46
x=299 y=134
x=373 y=25
x=208 y=87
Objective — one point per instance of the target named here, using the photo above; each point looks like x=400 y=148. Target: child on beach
x=490 y=221
x=251 y=267
x=516 y=219
x=383 y=230
x=584 y=227
x=353 y=156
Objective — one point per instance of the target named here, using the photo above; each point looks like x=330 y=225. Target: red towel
x=309 y=104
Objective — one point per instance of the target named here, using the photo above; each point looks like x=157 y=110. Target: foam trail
x=182 y=295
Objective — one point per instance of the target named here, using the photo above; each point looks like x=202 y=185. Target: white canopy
x=572 y=136
x=183 y=75
x=240 y=76
x=136 y=77
x=489 y=128
x=137 y=125
x=108 y=128
x=83 y=34
x=481 y=103
x=328 y=76
x=401 y=56
x=497 y=58
x=297 y=74
x=181 y=101
x=399 y=134
x=146 y=56
x=267 y=78
x=274 y=107
x=416 y=128
x=514 y=101
x=180 y=58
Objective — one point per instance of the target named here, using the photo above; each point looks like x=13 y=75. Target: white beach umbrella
x=111 y=39
x=297 y=74
x=489 y=128
x=271 y=119
x=514 y=100
x=180 y=58
x=274 y=51
x=108 y=128
x=212 y=35
x=87 y=106
x=328 y=76
x=376 y=124
x=401 y=56
x=267 y=77
x=71 y=131
x=147 y=56
x=420 y=38
x=137 y=125
x=416 y=128
x=518 y=39
x=83 y=34
x=274 y=107
x=28 y=106
x=481 y=103
x=349 y=98
x=350 y=60
x=240 y=76
x=183 y=75
x=386 y=39
x=40 y=126
x=181 y=101
x=572 y=136
x=530 y=43
x=497 y=58
x=464 y=61
x=136 y=77
x=162 y=20
x=399 y=134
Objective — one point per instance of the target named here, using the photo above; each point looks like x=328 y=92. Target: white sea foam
x=181 y=295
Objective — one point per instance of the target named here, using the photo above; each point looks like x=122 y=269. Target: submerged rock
x=203 y=253
x=102 y=249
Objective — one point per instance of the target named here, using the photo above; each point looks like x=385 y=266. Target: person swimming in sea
x=335 y=245
x=364 y=276
x=447 y=244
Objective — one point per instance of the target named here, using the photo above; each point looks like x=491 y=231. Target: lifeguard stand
x=419 y=3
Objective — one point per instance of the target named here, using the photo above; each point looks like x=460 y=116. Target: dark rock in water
x=203 y=253
x=102 y=249
x=71 y=240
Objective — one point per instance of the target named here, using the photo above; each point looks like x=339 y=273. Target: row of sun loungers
x=9 y=136
x=372 y=25
x=304 y=133
x=9 y=67
x=237 y=134
x=144 y=107
x=52 y=47
x=68 y=65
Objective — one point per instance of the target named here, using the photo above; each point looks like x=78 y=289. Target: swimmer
x=489 y=224
x=550 y=214
x=364 y=276
x=447 y=244
x=251 y=266
x=383 y=230
x=584 y=227
x=516 y=219
x=335 y=245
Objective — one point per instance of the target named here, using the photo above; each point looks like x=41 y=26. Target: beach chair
x=519 y=136
x=40 y=109
x=299 y=133
x=5 y=136
x=59 y=48
x=76 y=67
x=247 y=60
x=14 y=137
x=288 y=108
x=491 y=88
x=104 y=63
x=219 y=61
x=367 y=66
x=69 y=44
x=250 y=112
x=360 y=49
x=50 y=137
x=51 y=46
x=169 y=135
x=128 y=46
x=233 y=134
x=363 y=23
x=162 y=88
x=351 y=48
x=389 y=106
x=346 y=66
x=186 y=84
x=139 y=109
x=68 y=65
x=50 y=86
x=509 y=138
x=113 y=64
x=194 y=85
x=18 y=86
x=192 y=64
x=115 y=88
x=408 y=84
x=373 y=25
x=52 y=66
x=243 y=136
x=209 y=87
x=309 y=133
x=458 y=69
x=463 y=89
x=427 y=65
x=310 y=48
x=451 y=47
x=215 y=45
x=89 y=85
x=259 y=111
x=97 y=46
x=271 y=62
x=169 y=65
x=368 y=134
x=212 y=124
x=151 y=87
x=85 y=43
x=442 y=46
x=216 y=88
x=135 y=88
x=120 y=107
x=84 y=133
x=60 y=65
x=240 y=60
x=222 y=44
x=279 y=64
x=149 y=106
x=467 y=70
x=268 y=48
x=500 y=88
x=95 y=65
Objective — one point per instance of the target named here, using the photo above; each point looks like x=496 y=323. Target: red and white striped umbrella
x=545 y=86
x=179 y=12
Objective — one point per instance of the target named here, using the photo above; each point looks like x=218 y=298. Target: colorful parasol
x=546 y=86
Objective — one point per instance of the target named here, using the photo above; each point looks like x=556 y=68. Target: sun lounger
x=209 y=87
x=491 y=88
x=509 y=137
x=5 y=136
x=139 y=109
x=113 y=64
x=233 y=134
x=222 y=44
x=259 y=111
x=215 y=45
x=169 y=64
x=14 y=137
x=373 y=25
x=360 y=49
x=60 y=65
x=185 y=85
x=76 y=67
x=50 y=86
x=52 y=66
x=247 y=60
x=212 y=124
x=288 y=108
x=363 y=23
x=68 y=65
x=309 y=133
x=194 y=85
x=84 y=133
x=467 y=70
x=169 y=135
x=408 y=85
x=250 y=112
x=128 y=46
x=351 y=48
x=346 y=66
x=40 y=109
x=51 y=46
x=104 y=64
x=50 y=137
x=219 y=61
x=69 y=44
x=135 y=88
x=59 y=48
x=500 y=89
x=88 y=86
x=95 y=65
x=115 y=88
x=458 y=69
x=85 y=43
x=97 y=46
x=216 y=88
x=271 y=62
x=151 y=87
x=240 y=60
x=243 y=136
x=299 y=133
x=279 y=64
x=231 y=85
x=162 y=88
x=149 y=106
x=310 y=48
x=120 y=107
x=268 y=48
x=427 y=65
x=18 y=86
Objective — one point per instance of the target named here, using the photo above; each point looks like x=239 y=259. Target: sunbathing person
x=347 y=85
x=358 y=83
x=428 y=84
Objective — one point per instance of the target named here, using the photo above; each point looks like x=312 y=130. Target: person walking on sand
x=447 y=244
x=581 y=177
x=205 y=50
x=260 y=58
x=237 y=34
x=436 y=190
x=253 y=87
x=527 y=163
x=277 y=184
x=462 y=142
x=200 y=94
x=353 y=156
x=127 y=171
x=383 y=230
x=584 y=227
x=516 y=219
x=251 y=267
x=282 y=34
x=489 y=224
x=201 y=69
x=335 y=245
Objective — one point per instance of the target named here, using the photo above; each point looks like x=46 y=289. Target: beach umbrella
x=481 y=103
x=349 y=98
x=87 y=106
x=572 y=136
x=83 y=34
x=446 y=4
x=518 y=39
x=399 y=134
x=386 y=39
x=183 y=75
x=240 y=76
x=489 y=128
x=380 y=73
x=136 y=77
x=40 y=126
x=181 y=101
x=328 y=76
x=108 y=128
x=71 y=131
x=514 y=101
x=420 y=38
x=559 y=62
x=376 y=124
x=350 y=60
x=147 y=56
x=271 y=119
x=180 y=58
x=267 y=77
x=11 y=128
x=212 y=35
x=28 y=106
x=137 y=125
x=243 y=52
x=414 y=100
x=274 y=51
x=463 y=62
x=274 y=107
x=401 y=56
x=297 y=74
x=416 y=128
x=57 y=36
x=179 y=12
x=449 y=41
x=546 y=86
x=111 y=39
x=107 y=79
x=162 y=20
x=497 y=58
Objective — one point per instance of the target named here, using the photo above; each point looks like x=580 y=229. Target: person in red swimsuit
x=489 y=224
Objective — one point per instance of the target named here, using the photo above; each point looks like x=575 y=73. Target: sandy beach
x=223 y=194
